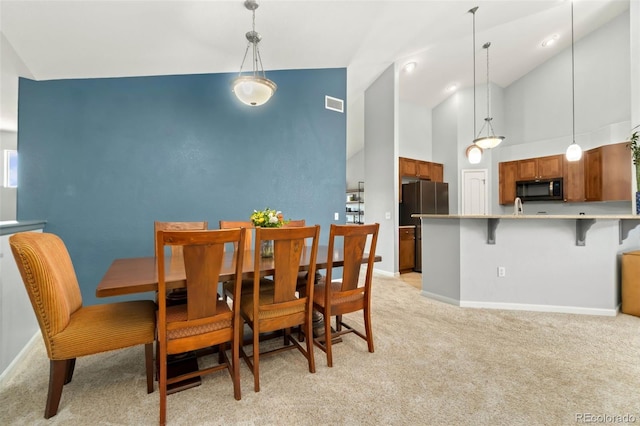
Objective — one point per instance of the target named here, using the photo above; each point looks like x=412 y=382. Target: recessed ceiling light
x=452 y=88
x=410 y=66
x=550 y=41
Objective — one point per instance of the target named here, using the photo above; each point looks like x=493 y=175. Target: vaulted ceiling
x=73 y=39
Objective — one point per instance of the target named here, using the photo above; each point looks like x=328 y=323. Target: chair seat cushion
x=101 y=328
x=178 y=313
x=266 y=298
x=318 y=294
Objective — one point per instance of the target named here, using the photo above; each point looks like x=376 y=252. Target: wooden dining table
x=140 y=274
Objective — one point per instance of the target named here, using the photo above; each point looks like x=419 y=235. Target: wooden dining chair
x=247 y=284
x=205 y=320
x=280 y=307
x=227 y=224
x=291 y=223
x=349 y=294
x=177 y=226
x=179 y=295
x=302 y=275
x=69 y=329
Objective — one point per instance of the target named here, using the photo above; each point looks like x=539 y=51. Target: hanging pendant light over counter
x=474 y=152
x=490 y=140
x=574 y=152
x=254 y=89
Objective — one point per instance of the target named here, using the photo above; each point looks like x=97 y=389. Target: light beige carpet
x=434 y=364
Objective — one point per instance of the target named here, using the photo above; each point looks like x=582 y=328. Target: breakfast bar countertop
x=527 y=216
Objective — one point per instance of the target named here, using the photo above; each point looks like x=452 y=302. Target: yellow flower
x=268 y=218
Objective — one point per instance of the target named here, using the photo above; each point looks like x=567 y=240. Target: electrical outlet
x=336 y=216
x=502 y=271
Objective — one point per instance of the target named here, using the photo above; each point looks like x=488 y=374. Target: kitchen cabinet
x=607 y=173
x=411 y=169
x=415 y=168
x=437 y=172
x=540 y=167
x=603 y=174
x=407 y=249
x=507 y=172
x=573 y=181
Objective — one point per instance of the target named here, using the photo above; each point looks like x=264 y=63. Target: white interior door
x=475 y=194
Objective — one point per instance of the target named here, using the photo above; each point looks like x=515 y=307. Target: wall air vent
x=334 y=104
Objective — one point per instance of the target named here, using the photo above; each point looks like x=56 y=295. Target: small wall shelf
x=354 y=213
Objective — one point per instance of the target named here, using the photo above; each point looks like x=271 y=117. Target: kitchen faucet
x=517 y=207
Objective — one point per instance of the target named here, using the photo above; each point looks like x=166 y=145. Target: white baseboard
x=541 y=308
x=8 y=372
x=385 y=273
x=524 y=306
x=441 y=298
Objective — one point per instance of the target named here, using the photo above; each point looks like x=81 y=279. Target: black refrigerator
x=422 y=197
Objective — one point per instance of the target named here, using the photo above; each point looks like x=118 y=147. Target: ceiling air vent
x=334 y=104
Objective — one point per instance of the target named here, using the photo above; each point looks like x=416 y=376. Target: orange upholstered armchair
x=69 y=329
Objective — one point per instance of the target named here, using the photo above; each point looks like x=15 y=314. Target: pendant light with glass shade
x=574 y=152
x=474 y=152
x=253 y=89
x=490 y=140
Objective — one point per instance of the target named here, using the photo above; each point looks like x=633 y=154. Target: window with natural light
x=10 y=168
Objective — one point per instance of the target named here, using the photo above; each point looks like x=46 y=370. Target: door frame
x=465 y=172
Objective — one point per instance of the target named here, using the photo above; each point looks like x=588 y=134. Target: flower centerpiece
x=267 y=218
x=634 y=145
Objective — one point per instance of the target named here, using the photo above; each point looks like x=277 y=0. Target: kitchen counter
x=550 y=263
x=583 y=222
x=12 y=226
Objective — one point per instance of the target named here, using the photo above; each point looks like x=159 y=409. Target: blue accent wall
x=101 y=159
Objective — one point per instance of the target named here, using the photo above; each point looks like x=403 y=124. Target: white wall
x=453 y=132
x=634 y=36
x=8 y=196
x=355 y=169
x=539 y=104
x=18 y=324
x=414 y=131
x=445 y=148
x=10 y=67
x=381 y=170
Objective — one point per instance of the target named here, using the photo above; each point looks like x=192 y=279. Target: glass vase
x=266 y=248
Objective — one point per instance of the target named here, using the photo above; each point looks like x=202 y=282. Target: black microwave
x=540 y=190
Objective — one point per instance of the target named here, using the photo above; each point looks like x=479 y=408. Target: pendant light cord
x=486 y=46
x=473 y=11
x=573 y=83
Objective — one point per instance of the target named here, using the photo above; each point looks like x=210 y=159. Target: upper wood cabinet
x=437 y=172
x=417 y=168
x=540 y=167
x=573 y=181
x=603 y=174
x=607 y=173
x=410 y=168
x=507 y=177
